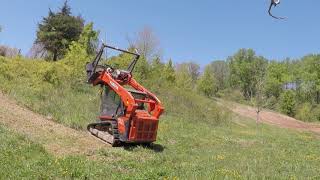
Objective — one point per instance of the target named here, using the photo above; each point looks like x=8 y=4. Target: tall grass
x=58 y=91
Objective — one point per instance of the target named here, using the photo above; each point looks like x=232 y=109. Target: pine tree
x=58 y=30
x=169 y=72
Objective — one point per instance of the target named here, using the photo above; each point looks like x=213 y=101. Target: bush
x=58 y=89
x=304 y=112
x=287 y=103
x=271 y=103
x=316 y=112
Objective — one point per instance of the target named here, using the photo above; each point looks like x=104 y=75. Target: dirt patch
x=56 y=138
x=271 y=117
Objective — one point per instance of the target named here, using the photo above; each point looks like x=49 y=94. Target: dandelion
x=220 y=157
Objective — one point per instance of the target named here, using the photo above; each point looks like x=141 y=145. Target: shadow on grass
x=158 y=148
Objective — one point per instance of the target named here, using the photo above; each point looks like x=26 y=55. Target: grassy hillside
x=59 y=91
x=184 y=151
x=196 y=138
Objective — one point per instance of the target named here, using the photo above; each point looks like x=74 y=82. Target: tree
x=259 y=100
x=287 y=103
x=311 y=75
x=79 y=52
x=183 y=77
x=37 y=51
x=245 y=68
x=89 y=39
x=276 y=77
x=191 y=68
x=169 y=72
x=10 y=52
x=221 y=73
x=58 y=30
x=147 y=43
x=207 y=82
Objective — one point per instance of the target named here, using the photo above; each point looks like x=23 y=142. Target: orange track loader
x=128 y=115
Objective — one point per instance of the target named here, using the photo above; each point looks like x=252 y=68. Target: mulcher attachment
x=107 y=131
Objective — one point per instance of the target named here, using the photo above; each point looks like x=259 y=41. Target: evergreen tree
x=169 y=72
x=58 y=30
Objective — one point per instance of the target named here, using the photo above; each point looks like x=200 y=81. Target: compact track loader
x=129 y=112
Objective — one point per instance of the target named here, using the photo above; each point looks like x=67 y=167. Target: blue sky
x=201 y=31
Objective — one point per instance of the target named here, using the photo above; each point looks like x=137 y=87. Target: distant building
x=290 y=86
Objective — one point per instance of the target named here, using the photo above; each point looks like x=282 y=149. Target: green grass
x=183 y=150
x=23 y=159
x=196 y=138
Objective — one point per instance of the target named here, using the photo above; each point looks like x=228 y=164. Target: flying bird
x=274 y=3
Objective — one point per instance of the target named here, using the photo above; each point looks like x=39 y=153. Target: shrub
x=287 y=103
x=271 y=102
x=304 y=112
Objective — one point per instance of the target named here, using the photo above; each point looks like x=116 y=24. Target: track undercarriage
x=107 y=131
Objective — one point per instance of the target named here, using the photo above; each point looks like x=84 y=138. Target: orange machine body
x=136 y=124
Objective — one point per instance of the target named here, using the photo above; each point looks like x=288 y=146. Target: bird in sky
x=274 y=3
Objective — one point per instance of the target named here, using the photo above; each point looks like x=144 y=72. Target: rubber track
x=105 y=136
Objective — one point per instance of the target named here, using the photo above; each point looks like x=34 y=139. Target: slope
x=55 y=137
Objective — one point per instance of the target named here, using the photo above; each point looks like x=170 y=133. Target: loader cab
x=111 y=104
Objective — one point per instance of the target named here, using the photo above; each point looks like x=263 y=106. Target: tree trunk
x=258 y=117
x=318 y=98
x=55 y=56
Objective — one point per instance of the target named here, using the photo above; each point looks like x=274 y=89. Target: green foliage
x=245 y=70
x=276 y=77
x=123 y=60
x=142 y=70
x=196 y=138
x=169 y=72
x=184 y=79
x=271 y=103
x=80 y=52
x=58 y=30
x=58 y=89
x=221 y=73
x=311 y=76
x=308 y=112
x=305 y=113
x=88 y=39
x=193 y=70
x=50 y=88
x=207 y=82
x=287 y=103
